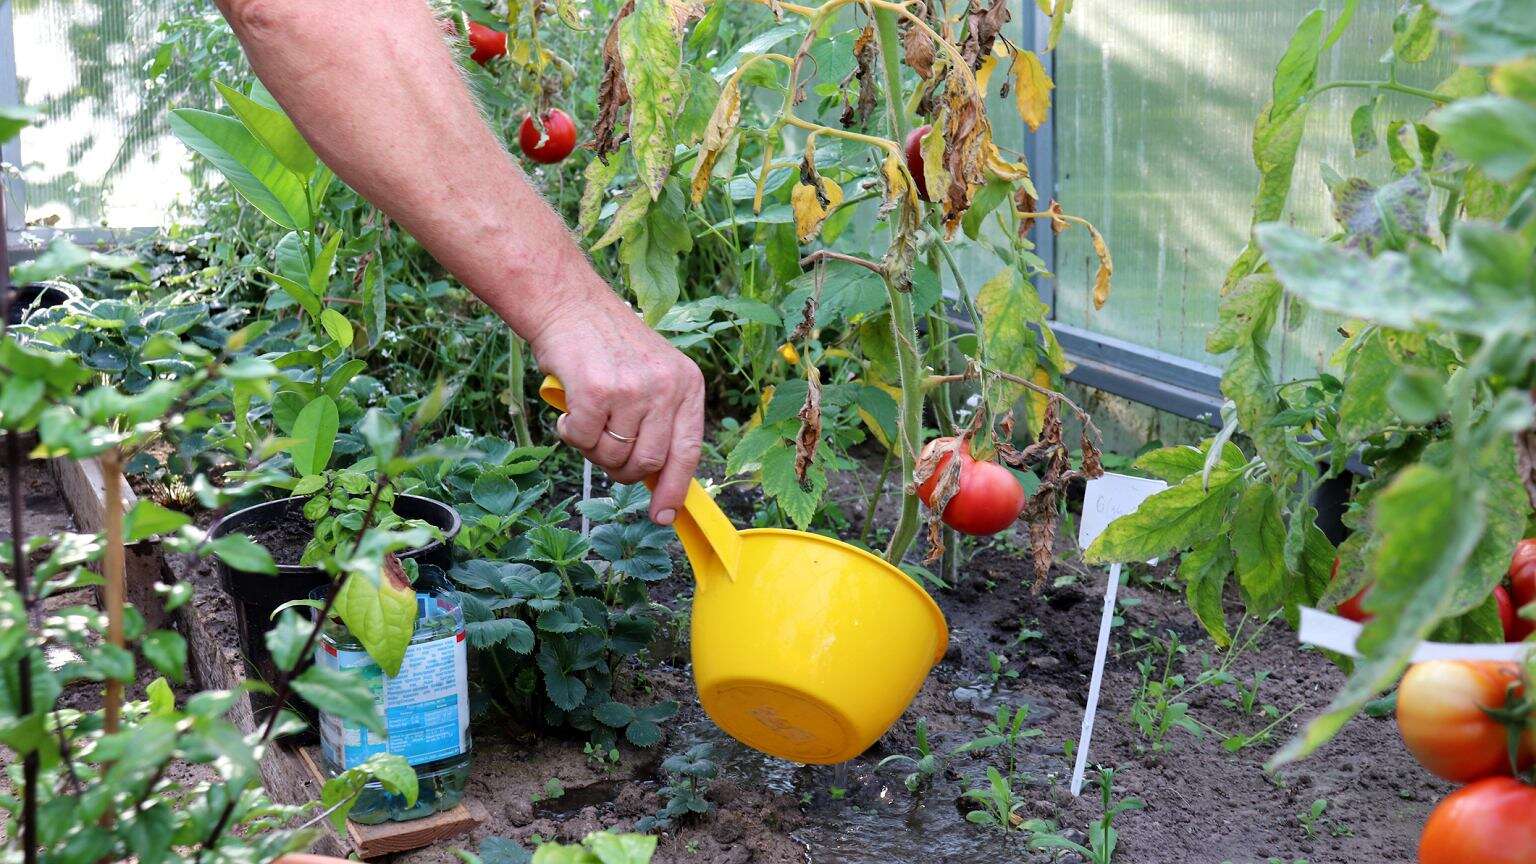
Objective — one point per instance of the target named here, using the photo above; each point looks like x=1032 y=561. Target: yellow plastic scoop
x=804 y=647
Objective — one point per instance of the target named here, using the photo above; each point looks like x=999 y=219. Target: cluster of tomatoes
x=1469 y=722
x=552 y=138
x=1472 y=723
x=1519 y=593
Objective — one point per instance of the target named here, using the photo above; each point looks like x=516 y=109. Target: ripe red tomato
x=915 y=159
x=485 y=43
x=1488 y=822
x=1440 y=716
x=1507 y=615
x=1522 y=584
x=1352 y=609
x=559 y=137
x=990 y=497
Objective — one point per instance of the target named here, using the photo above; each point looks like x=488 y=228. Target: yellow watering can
x=804 y=647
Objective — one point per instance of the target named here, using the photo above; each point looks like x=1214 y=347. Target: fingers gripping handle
x=709 y=538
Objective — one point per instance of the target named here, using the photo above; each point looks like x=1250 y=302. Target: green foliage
x=1430 y=386
x=688 y=774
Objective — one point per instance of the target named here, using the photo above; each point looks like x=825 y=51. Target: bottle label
x=425 y=707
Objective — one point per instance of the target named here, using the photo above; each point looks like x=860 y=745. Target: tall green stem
x=518 y=398
x=903 y=322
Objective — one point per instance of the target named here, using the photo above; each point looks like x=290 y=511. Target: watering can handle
x=705 y=531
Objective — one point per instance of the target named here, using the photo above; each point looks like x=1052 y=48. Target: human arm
x=389 y=112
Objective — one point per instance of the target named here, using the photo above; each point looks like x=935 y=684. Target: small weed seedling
x=1102 y=837
x=999 y=806
x=1314 y=821
x=1159 y=707
x=552 y=790
x=997 y=669
x=1005 y=733
x=685 y=793
x=925 y=764
x=605 y=758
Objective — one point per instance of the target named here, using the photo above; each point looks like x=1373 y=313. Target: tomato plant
x=486 y=43
x=551 y=140
x=1442 y=714
x=1488 y=822
x=1430 y=386
x=984 y=497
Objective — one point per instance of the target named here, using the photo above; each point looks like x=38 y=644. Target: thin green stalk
x=1438 y=98
x=903 y=321
x=516 y=373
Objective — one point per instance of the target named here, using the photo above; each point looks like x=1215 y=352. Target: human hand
x=635 y=403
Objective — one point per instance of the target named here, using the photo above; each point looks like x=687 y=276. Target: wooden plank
x=208 y=623
x=84 y=493
x=372 y=841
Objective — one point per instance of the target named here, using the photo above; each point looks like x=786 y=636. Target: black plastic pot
x=257 y=595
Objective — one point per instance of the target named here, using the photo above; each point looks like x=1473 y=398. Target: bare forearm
x=395 y=121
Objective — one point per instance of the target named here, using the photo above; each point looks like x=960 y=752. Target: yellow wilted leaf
x=787 y=351
x=1032 y=89
x=1038 y=402
x=812 y=203
x=896 y=185
x=935 y=173
x=1106 y=268
x=984 y=74
x=1003 y=169
x=722 y=125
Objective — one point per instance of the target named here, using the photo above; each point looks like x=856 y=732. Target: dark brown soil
x=284 y=538
x=1202 y=804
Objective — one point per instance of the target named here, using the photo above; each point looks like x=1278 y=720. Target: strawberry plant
x=1430 y=275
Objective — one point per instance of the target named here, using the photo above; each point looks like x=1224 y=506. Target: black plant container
x=257 y=595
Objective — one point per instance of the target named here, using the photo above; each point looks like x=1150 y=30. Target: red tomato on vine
x=989 y=497
x=558 y=141
x=915 y=159
x=1441 y=716
x=486 y=43
x=1492 y=821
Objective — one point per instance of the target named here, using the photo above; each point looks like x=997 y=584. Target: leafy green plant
x=1430 y=385
x=556 y=618
x=1314 y=821
x=96 y=785
x=997 y=805
x=925 y=764
x=1005 y=733
x=1102 y=836
x=684 y=793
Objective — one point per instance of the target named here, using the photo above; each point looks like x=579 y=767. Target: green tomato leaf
x=1176 y=518
x=650 y=46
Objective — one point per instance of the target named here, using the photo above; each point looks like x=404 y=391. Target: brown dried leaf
x=1058 y=220
x=722 y=125
x=1025 y=202
x=939 y=459
x=612 y=93
x=808 y=311
x=986 y=23
x=1093 y=462
x=866 y=53
x=810 y=422
x=918 y=50
x=966 y=132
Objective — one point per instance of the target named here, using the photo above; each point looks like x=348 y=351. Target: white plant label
x=1339 y=634
x=1105 y=499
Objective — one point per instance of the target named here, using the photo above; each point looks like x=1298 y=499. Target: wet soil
x=1201 y=804
x=284 y=538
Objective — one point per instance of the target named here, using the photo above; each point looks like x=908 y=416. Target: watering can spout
x=710 y=540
